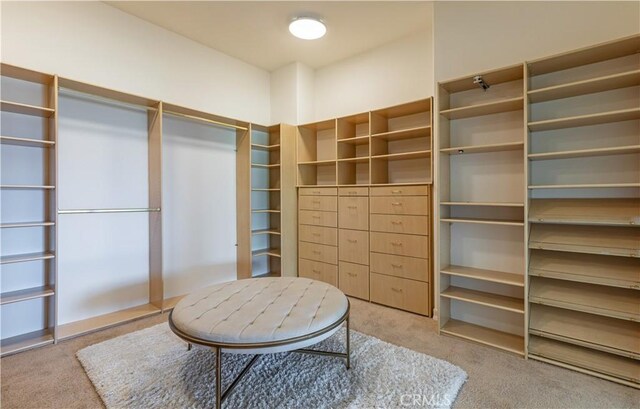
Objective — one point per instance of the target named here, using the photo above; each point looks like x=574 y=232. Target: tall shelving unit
x=28 y=140
x=584 y=215
x=482 y=207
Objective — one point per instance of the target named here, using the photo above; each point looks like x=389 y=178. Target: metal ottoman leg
x=218 y=377
x=348 y=346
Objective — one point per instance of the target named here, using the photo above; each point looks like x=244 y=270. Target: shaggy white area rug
x=152 y=368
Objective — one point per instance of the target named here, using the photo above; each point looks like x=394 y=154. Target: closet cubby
x=317 y=154
x=353 y=150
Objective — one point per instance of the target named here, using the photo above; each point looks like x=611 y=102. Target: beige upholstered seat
x=261 y=310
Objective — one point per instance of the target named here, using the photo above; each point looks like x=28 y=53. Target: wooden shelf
x=358 y=140
x=585 y=120
x=493 y=77
x=485 y=275
x=364 y=159
x=621 y=272
x=265 y=231
x=27 y=341
x=265 y=211
x=260 y=165
x=318 y=162
x=590 y=86
x=611 y=302
x=267 y=274
x=500 y=302
x=74 y=329
x=26 y=224
x=482 y=221
x=410 y=133
x=34 y=143
x=587 y=186
x=615 y=241
x=26 y=294
x=488 y=204
x=265 y=190
x=607 y=364
x=487 y=336
x=23 y=258
x=404 y=155
x=583 y=153
x=25 y=109
x=268 y=148
x=604 y=212
x=606 y=334
x=496 y=147
x=27 y=187
x=266 y=252
x=489 y=108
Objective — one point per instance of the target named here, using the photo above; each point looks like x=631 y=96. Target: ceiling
x=257 y=31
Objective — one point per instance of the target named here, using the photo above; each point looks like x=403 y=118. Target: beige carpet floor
x=52 y=377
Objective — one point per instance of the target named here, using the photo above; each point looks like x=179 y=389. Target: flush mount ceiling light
x=307 y=28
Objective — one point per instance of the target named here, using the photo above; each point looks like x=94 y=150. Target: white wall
x=477 y=36
x=392 y=74
x=292 y=94
x=96 y=43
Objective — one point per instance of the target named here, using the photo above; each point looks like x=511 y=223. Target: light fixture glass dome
x=307 y=28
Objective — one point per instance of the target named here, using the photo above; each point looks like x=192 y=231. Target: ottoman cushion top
x=259 y=310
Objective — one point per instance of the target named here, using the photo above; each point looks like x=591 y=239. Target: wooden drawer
x=400 y=244
x=317 y=234
x=318 y=191
x=353 y=280
x=316 y=218
x=353 y=191
x=318 y=271
x=400 y=293
x=410 y=205
x=353 y=213
x=322 y=203
x=354 y=246
x=400 y=224
x=318 y=252
x=400 y=191
x=399 y=266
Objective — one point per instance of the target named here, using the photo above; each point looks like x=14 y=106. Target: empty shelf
x=615 y=241
x=485 y=275
x=606 y=212
x=583 y=153
x=26 y=341
x=587 y=186
x=421 y=131
x=266 y=252
x=404 y=155
x=588 y=268
x=265 y=211
x=483 y=221
x=507 y=105
x=27 y=187
x=265 y=189
x=265 y=231
x=500 y=302
x=488 y=204
x=487 y=336
x=22 y=258
x=358 y=140
x=267 y=274
x=26 y=109
x=260 y=147
x=354 y=160
x=26 y=294
x=621 y=303
x=319 y=162
x=604 y=363
x=25 y=224
x=36 y=143
x=496 y=147
x=260 y=165
x=585 y=120
x=590 y=86
x=606 y=334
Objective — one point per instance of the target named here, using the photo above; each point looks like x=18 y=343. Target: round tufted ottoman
x=260 y=316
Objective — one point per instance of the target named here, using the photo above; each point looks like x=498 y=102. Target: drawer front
x=400 y=244
x=409 y=205
x=316 y=218
x=400 y=191
x=353 y=191
x=399 y=266
x=354 y=246
x=322 y=203
x=400 y=224
x=318 y=252
x=317 y=234
x=353 y=213
x=318 y=271
x=353 y=280
x=318 y=191
x=400 y=293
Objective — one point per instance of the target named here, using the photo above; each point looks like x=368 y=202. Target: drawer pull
x=396 y=191
x=396 y=243
x=396 y=265
x=315 y=217
x=352 y=240
x=396 y=204
x=316 y=234
x=351 y=192
x=352 y=274
x=317 y=252
x=397 y=290
x=352 y=207
x=316 y=271
x=315 y=201
x=396 y=222
x=317 y=192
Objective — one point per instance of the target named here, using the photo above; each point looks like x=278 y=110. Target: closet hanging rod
x=109 y=101
x=210 y=121
x=120 y=210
